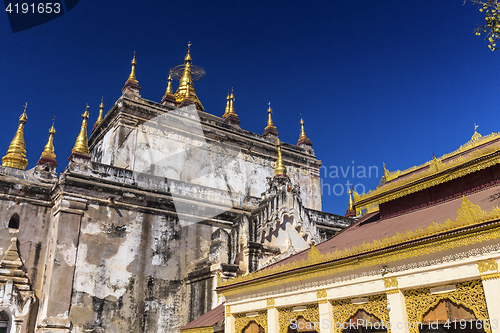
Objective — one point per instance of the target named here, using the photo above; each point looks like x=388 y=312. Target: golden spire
x=16 y=154
x=270 y=125
x=231 y=105
x=131 y=77
x=169 y=86
x=351 y=201
x=81 y=143
x=226 y=112
x=303 y=135
x=99 y=118
x=48 y=152
x=280 y=169
x=186 y=91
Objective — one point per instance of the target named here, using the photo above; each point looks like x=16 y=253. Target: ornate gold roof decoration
x=187 y=74
x=16 y=153
x=468 y=214
x=81 y=144
x=303 y=139
x=280 y=169
x=132 y=78
x=99 y=118
x=48 y=152
x=443 y=169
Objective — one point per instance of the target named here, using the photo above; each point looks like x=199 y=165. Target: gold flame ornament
x=81 y=144
x=16 y=153
x=280 y=167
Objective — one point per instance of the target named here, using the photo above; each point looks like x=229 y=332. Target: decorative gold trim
x=413 y=251
x=270 y=303
x=487 y=265
x=475 y=141
x=451 y=170
x=207 y=329
x=321 y=293
x=392 y=291
x=491 y=276
x=468 y=214
x=228 y=311
x=391 y=282
x=343 y=309
x=241 y=321
x=469 y=294
x=286 y=315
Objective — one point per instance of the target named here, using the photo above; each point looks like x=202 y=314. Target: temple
x=422 y=256
x=162 y=200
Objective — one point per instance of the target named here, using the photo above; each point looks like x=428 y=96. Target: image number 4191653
x=28 y=14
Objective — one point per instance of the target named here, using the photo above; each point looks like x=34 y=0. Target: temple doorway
x=449 y=317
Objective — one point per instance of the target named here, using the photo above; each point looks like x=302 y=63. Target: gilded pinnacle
x=351 y=201
x=186 y=91
x=226 y=112
x=132 y=78
x=280 y=168
x=270 y=125
x=81 y=143
x=169 y=90
x=101 y=109
x=48 y=152
x=231 y=105
x=16 y=153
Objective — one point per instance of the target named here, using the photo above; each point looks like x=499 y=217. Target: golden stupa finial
x=169 y=90
x=270 y=125
x=81 y=143
x=16 y=153
x=101 y=109
x=48 y=151
x=226 y=111
x=280 y=168
x=187 y=58
x=231 y=105
x=303 y=135
x=351 y=200
x=132 y=78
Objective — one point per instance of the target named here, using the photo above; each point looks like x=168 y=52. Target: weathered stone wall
x=181 y=144
x=130 y=271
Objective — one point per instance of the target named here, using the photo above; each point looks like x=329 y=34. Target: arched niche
x=253 y=327
x=14 y=222
x=5 y=322
x=449 y=317
x=363 y=322
x=302 y=325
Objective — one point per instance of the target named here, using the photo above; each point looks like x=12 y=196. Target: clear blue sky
x=376 y=81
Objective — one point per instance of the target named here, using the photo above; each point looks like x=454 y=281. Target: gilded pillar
x=273 y=324
x=491 y=284
x=229 y=324
x=396 y=306
x=325 y=309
